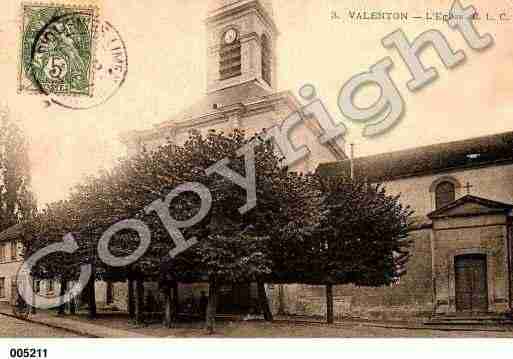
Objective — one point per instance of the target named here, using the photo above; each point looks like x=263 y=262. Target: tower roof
x=223 y=5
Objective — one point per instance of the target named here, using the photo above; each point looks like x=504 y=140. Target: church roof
x=471 y=205
x=474 y=152
x=246 y=96
x=212 y=102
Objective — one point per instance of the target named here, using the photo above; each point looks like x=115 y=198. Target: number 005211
x=28 y=353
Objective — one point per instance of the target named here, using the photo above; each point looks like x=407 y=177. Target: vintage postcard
x=255 y=169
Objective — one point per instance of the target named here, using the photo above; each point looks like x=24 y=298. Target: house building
x=11 y=259
x=10 y=262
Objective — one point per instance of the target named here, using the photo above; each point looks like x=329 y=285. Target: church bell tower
x=241 y=44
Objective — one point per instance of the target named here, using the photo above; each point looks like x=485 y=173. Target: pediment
x=471 y=206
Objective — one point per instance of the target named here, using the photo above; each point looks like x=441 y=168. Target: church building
x=462 y=195
x=241 y=87
x=241 y=94
x=461 y=192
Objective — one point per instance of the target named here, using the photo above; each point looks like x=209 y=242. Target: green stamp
x=57 y=50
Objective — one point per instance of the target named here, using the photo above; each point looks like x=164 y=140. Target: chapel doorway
x=471 y=283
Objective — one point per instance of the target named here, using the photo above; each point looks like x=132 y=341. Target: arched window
x=444 y=194
x=266 y=60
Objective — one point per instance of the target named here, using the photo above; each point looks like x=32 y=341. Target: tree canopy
x=17 y=203
x=284 y=199
x=303 y=229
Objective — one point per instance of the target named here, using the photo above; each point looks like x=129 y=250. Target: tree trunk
x=168 y=308
x=174 y=286
x=62 y=306
x=72 y=302
x=131 y=301
x=212 y=306
x=281 y=299
x=139 y=300
x=264 y=302
x=329 y=303
x=109 y=295
x=91 y=297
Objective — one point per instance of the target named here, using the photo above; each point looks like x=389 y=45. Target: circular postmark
x=76 y=64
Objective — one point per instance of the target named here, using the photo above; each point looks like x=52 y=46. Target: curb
x=398 y=326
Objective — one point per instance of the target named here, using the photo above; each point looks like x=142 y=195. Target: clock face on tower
x=230 y=36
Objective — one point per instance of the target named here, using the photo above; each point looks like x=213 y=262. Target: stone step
x=476 y=319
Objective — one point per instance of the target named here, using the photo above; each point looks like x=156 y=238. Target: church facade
x=461 y=192
x=241 y=88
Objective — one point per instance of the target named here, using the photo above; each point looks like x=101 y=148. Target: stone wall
x=412 y=296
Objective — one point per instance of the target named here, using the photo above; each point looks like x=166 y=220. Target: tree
x=17 y=203
x=362 y=237
x=231 y=259
x=303 y=229
x=233 y=247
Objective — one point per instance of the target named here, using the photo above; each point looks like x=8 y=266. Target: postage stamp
x=110 y=69
x=57 y=49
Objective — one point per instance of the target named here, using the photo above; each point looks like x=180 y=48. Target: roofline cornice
x=453 y=169
x=222 y=114
x=448 y=170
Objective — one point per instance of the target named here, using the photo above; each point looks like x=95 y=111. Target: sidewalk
x=408 y=325
x=116 y=325
x=75 y=326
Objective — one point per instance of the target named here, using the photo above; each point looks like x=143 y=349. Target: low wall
x=410 y=297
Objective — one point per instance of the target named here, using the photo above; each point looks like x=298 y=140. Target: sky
x=166 y=47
